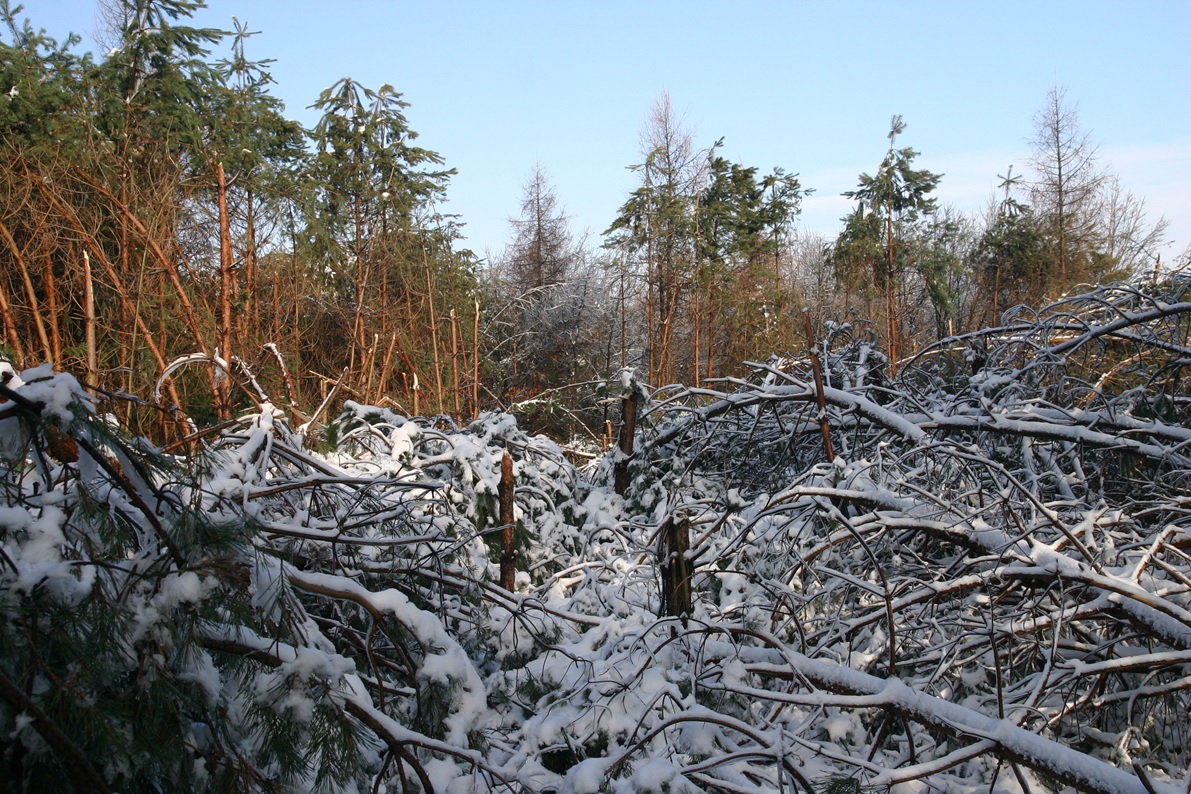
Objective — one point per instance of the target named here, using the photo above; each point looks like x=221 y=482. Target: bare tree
x=1066 y=188
x=1129 y=242
x=809 y=271
x=110 y=18
x=542 y=253
x=656 y=227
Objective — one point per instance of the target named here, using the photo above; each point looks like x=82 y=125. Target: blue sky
x=496 y=87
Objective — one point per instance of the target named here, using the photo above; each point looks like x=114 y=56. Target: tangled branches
x=991 y=579
x=987 y=588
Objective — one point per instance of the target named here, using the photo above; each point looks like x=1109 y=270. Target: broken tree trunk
x=820 y=398
x=674 y=541
x=628 y=428
x=508 y=556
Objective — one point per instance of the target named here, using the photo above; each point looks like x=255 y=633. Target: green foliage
x=364 y=163
x=941 y=246
x=247 y=129
x=120 y=587
x=338 y=256
x=742 y=217
x=856 y=256
x=38 y=100
x=898 y=191
x=1010 y=257
x=713 y=234
x=842 y=784
x=153 y=87
x=878 y=238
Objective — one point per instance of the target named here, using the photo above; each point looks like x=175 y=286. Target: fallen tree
x=987 y=588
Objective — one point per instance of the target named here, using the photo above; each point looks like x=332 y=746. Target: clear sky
x=498 y=86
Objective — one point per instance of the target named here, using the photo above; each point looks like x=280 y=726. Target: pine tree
x=260 y=154
x=897 y=196
x=138 y=648
x=1009 y=259
x=657 y=223
x=39 y=122
x=740 y=234
x=542 y=253
x=386 y=257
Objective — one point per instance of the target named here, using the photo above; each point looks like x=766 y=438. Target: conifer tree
x=898 y=197
x=655 y=226
x=262 y=153
x=740 y=234
x=386 y=257
x=106 y=183
x=1009 y=258
x=540 y=297
x=136 y=651
x=1065 y=190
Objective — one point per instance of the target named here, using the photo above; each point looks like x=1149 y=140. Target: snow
x=654 y=775
x=987 y=573
x=839 y=728
x=39 y=559
x=446 y=662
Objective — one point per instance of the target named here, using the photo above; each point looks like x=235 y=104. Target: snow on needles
x=987 y=589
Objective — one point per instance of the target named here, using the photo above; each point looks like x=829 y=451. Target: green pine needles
x=136 y=651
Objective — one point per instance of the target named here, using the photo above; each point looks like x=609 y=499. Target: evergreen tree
x=262 y=153
x=252 y=155
x=108 y=183
x=386 y=256
x=898 y=197
x=41 y=120
x=940 y=251
x=142 y=646
x=740 y=233
x=1009 y=259
x=542 y=253
x=40 y=77
x=706 y=235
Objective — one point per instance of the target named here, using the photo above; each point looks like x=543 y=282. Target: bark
x=628 y=429
x=475 y=362
x=382 y=382
x=223 y=388
x=816 y=367
x=455 y=359
x=508 y=526
x=433 y=330
x=169 y=265
x=118 y=285
x=891 y=295
x=674 y=541
x=52 y=307
x=10 y=328
x=30 y=292
x=249 y=317
x=92 y=376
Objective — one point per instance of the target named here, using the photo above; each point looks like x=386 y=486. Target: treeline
x=703 y=267
x=158 y=207
x=158 y=204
